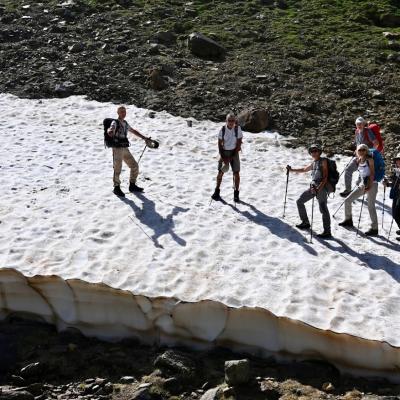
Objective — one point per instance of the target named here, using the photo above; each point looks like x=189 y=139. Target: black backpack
x=111 y=141
x=333 y=174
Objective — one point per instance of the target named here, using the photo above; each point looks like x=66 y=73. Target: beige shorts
x=234 y=160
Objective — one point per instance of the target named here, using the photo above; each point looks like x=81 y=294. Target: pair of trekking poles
x=312 y=206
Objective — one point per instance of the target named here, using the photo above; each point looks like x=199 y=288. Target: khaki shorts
x=234 y=162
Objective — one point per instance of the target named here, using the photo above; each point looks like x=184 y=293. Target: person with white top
x=229 y=144
x=366 y=185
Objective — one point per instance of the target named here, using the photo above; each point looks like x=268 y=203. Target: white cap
x=360 y=120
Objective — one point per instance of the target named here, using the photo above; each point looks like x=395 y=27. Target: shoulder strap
x=236 y=131
x=223 y=132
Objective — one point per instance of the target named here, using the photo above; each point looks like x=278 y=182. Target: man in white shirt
x=229 y=144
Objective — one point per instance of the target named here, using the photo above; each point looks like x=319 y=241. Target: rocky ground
x=37 y=363
x=315 y=65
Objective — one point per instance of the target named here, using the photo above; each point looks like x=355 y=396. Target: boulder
x=166 y=37
x=64 y=89
x=212 y=394
x=176 y=363
x=237 y=372
x=390 y=20
x=205 y=47
x=254 y=120
x=9 y=394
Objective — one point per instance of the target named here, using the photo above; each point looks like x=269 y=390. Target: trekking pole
x=145 y=147
x=359 y=218
x=287 y=183
x=344 y=169
x=312 y=219
x=383 y=206
x=341 y=204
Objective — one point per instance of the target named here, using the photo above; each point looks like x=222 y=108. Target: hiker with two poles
x=319 y=188
x=394 y=183
x=116 y=137
x=229 y=145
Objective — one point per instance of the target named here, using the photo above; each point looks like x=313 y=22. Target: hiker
x=366 y=185
x=363 y=135
x=319 y=188
x=229 y=144
x=119 y=132
x=394 y=183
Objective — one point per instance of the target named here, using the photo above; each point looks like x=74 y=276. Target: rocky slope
x=36 y=363
x=315 y=65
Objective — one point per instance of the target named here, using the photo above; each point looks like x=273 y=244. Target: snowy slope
x=59 y=216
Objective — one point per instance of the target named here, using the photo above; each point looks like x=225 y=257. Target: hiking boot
x=346 y=222
x=371 y=232
x=134 y=188
x=118 y=191
x=398 y=238
x=325 y=235
x=345 y=193
x=398 y=232
x=215 y=196
x=303 y=225
x=236 y=196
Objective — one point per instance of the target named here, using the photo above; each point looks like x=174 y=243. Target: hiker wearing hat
x=318 y=188
x=363 y=135
x=366 y=186
x=394 y=183
x=229 y=144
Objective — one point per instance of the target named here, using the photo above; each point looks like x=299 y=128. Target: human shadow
x=372 y=260
x=160 y=225
x=275 y=225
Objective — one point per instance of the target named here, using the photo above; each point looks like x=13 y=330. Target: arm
x=238 y=145
x=111 y=129
x=305 y=169
x=137 y=133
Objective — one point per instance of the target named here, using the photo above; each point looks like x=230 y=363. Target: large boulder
x=176 y=363
x=254 y=120
x=205 y=47
x=390 y=20
x=237 y=372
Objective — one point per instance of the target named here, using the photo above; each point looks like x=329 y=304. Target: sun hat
x=360 y=120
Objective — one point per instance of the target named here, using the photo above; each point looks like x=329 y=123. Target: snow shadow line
x=275 y=225
x=147 y=215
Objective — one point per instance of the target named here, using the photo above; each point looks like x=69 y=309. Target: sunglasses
x=314 y=151
x=231 y=120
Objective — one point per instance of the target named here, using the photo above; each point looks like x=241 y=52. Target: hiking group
x=367 y=160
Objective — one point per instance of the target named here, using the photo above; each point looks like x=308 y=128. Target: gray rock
x=122 y=47
x=203 y=46
x=76 y=47
x=177 y=363
x=127 y=379
x=9 y=394
x=212 y=394
x=64 y=89
x=141 y=394
x=32 y=370
x=167 y=38
x=237 y=372
x=254 y=120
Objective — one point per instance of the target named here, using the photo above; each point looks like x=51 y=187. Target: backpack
x=333 y=175
x=379 y=164
x=236 y=131
x=111 y=141
x=376 y=129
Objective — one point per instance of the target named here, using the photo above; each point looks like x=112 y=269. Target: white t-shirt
x=122 y=133
x=230 y=137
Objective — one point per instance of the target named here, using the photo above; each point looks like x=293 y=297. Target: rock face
x=254 y=120
x=205 y=47
x=237 y=372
